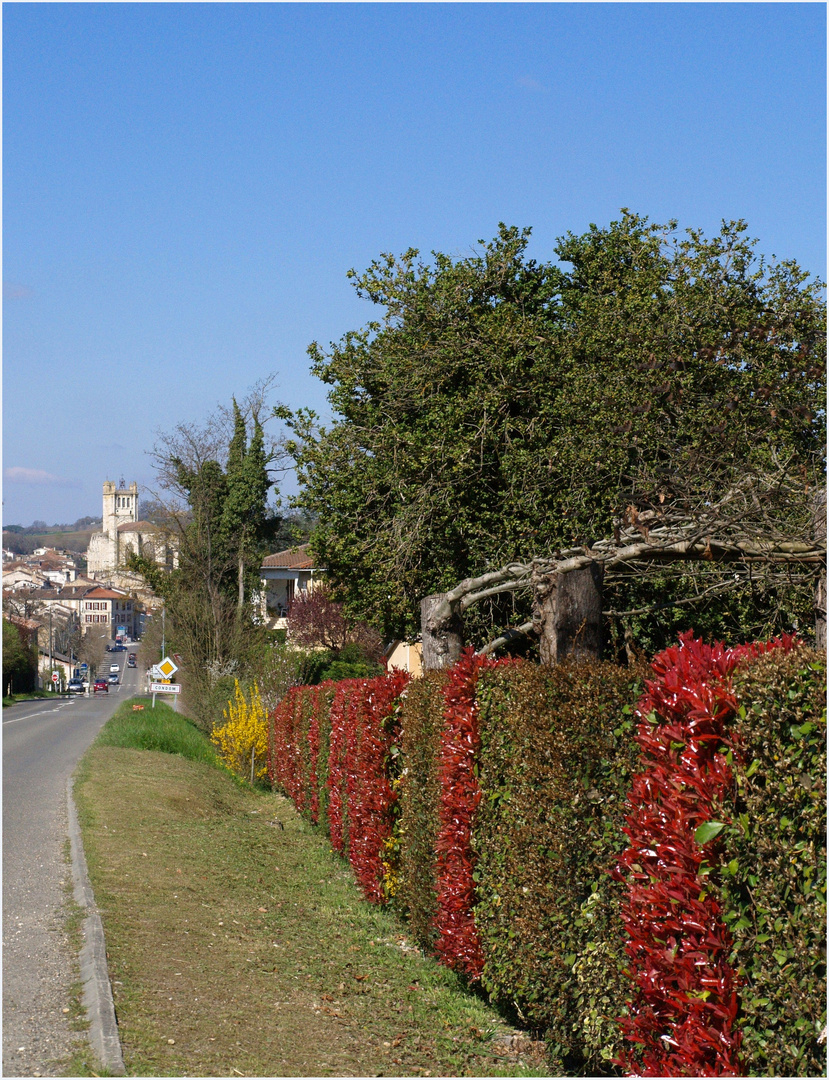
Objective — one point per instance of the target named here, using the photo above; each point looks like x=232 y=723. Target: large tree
x=216 y=480
x=501 y=408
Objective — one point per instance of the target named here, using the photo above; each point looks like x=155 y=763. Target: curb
x=97 y=992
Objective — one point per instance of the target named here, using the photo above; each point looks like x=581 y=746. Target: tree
x=19 y=660
x=216 y=479
x=503 y=409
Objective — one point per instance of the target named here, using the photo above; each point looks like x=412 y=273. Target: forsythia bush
x=244 y=734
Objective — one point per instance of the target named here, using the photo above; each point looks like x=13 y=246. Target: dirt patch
x=238 y=945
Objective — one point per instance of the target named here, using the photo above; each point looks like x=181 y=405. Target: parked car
x=100 y=684
x=75 y=686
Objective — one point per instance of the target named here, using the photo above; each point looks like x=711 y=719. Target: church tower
x=120 y=506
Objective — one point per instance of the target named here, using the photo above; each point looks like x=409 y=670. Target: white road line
x=44 y=712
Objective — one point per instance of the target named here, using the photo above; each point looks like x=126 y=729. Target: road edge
x=97 y=991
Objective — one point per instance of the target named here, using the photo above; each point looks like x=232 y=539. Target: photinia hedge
x=457 y=944
x=682 y=1020
x=357 y=720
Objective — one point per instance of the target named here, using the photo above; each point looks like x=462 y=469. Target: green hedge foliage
x=557 y=754
x=422 y=719
x=773 y=865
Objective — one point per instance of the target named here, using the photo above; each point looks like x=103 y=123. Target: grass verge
x=239 y=945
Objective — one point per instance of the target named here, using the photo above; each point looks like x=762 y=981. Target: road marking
x=44 y=712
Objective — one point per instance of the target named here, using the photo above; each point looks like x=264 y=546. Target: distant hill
x=23 y=540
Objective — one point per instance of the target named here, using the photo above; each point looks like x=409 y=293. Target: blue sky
x=186 y=185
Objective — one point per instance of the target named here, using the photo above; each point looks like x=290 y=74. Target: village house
x=282 y=576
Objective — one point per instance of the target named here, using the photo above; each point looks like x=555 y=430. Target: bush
x=556 y=759
x=773 y=859
x=422 y=718
x=334 y=750
x=243 y=739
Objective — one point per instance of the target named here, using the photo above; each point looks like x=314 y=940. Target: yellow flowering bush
x=244 y=735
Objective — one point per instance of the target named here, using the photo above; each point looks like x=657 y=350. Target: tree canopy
x=501 y=408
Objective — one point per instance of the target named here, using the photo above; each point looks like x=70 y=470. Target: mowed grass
x=239 y=945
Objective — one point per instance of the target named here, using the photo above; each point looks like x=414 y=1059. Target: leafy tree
x=19 y=660
x=217 y=483
x=502 y=408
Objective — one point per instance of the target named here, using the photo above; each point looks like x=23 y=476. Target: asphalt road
x=42 y=744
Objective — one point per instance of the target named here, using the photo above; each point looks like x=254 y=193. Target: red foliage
x=458 y=945
x=683 y=1016
x=336 y=764
x=363 y=727
x=371 y=797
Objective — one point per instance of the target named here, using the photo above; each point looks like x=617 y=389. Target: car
x=75 y=686
x=114 y=677
x=119 y=648
x=113 y=668
x=130 y=663
x=100 y=684
x=131 y=656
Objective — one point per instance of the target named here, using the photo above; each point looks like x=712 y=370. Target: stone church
x=122 y=534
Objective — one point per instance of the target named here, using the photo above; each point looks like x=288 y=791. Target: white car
x=114 y=669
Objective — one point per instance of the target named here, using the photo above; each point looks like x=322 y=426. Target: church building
x=122 y=534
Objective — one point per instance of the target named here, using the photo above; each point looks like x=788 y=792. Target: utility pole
x=51 y=684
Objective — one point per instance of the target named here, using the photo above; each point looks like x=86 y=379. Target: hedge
x=556 y=759
x=773 y=877
x=643 y=884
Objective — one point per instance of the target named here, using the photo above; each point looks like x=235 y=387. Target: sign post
x=166 y=669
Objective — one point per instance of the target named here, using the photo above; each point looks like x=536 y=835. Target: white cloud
x=38 y=477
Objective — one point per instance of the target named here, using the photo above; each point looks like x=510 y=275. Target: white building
x=282 y=576
x=122 y=534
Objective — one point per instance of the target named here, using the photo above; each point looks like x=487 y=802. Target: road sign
x=84 y=667
x=165 y=688
x=55 y=676
x=167 y=668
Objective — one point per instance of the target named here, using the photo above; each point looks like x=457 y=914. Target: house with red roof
x=283 y=575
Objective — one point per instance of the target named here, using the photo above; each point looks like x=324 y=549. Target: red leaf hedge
x=682 y=1019
x=363 y=726
x=458 y=945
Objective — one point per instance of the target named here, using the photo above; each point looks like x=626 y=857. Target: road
x=42 y=744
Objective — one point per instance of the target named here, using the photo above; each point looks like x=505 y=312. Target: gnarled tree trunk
x=442 y=643
x=567 y=613
x=820 y=588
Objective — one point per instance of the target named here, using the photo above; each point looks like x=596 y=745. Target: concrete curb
x=97 y=992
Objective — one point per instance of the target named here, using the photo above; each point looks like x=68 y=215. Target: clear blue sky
x=186 y=185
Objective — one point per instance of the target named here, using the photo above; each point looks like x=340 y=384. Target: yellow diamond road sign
x=167 y=668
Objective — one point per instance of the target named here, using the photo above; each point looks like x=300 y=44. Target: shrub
x=773 y=859
x=243 y=738
x=457 y=944
x=556 y=759
x=682 y=1018
x=422 y=721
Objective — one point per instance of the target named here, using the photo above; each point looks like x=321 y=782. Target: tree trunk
x=567 y=614
x=819 y=534
x=442 y=645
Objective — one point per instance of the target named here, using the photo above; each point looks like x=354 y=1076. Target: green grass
x=34 y=695
x=160 y=728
